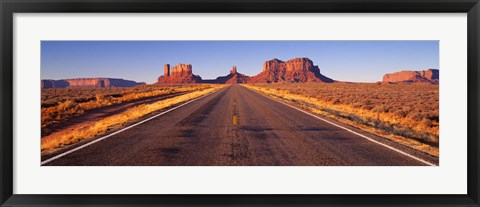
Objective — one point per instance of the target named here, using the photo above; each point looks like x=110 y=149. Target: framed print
x=238 y=103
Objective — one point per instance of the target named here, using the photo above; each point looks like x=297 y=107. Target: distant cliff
x=424 y=76
x=89 y=83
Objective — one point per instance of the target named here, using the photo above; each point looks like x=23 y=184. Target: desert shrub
x=60 y=104
x=408 y=110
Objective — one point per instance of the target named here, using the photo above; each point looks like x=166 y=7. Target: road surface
x=237 y=126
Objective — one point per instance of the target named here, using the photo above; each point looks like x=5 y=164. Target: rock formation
x=237 y=78
x=88 y=83
x=166 y=70
x=424 y=76
x=181 y=73
x=233 y=77
x=294 y=70
x=233 y=70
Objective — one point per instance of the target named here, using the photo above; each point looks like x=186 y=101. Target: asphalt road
x=235 y=126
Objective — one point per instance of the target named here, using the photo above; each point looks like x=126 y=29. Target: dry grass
x=60 y=104
x=93 y=129
x=406 y=113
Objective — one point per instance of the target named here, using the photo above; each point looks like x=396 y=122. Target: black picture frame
x=9 y=7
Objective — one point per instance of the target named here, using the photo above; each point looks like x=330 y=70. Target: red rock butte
x=181 y=73
x=294 y=70
x=409 y=76
x=234 y=77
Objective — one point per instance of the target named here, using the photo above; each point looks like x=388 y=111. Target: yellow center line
x=235 y=119
x=235 y=116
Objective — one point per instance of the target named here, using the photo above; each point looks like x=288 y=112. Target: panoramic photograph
x=239 y=103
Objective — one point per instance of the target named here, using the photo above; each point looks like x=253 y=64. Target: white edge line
x=119 y=131
x=356 y=133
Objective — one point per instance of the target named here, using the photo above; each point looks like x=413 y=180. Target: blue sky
x=357 y=61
